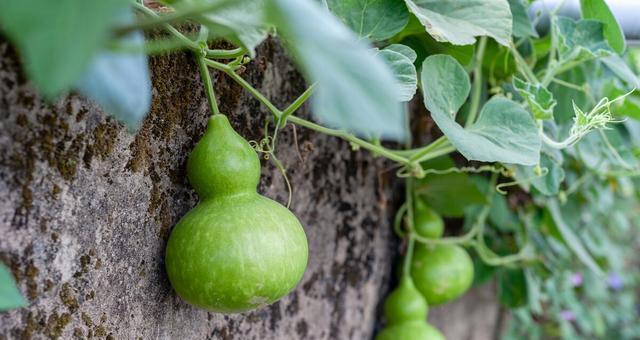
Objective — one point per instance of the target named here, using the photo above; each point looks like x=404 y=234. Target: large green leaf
x=404 y=71
x=57 y=39
x=582 y=39
x=563 y=112
x=459 y=22
x=241 y=22
x=540 y=100
x=404 y=50
x=10 y=296
x=119 y=82
x=373 y=19
x=522 y=26
x=448 y=194
x=621 y=69
x=598 y=10
x=425 y=45
x=356 y=89
x=504 y=131
x=445 y=84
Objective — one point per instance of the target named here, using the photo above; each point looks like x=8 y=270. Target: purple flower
x=576 y=280
x=614 y=280
x=567 y=315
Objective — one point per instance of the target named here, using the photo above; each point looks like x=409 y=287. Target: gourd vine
x=530 y=174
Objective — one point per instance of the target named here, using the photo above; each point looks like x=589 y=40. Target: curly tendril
x=267 y=146
x=503 y=171
x=540 y=172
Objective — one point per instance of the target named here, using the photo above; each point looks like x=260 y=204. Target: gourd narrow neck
x=223 y=163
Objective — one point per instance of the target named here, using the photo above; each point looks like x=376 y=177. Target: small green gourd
x=405 y=303
x=441 y=272
x=236 y=250
x=427 y=222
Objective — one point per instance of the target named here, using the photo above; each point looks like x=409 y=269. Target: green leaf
x=425 y=45
x=541 y=46
x=501 y=216
x=445 y=84
x=119 y=82
x=548 y=184
x=498 y=62
x=629 y=106
x=595 y=151
x=598 y=10
x=482 y=272
x=582 y=39
x=57 y=39
x=504 y=131
x=522 y=26
x=461 y=21
x=241 y=22
x=512 y=287
x=404 y=71
x=563 y=112
x=569 y=237
x=619 y=67
x=373 y=19
x=448 y=194
x=404 y=50
x=10 y=296
x=356 y=89
x=540 y=100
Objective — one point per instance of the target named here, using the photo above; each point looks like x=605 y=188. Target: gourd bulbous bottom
x=236 y=253
x=410 y=330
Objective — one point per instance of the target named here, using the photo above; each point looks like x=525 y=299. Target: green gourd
x=405 y=303
x=410 y=330
x=427 y=222
x=236 y=250
x=442 y=272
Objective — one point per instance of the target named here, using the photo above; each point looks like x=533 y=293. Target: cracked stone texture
x=86 y=209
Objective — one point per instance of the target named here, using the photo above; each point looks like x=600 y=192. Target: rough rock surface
x=86 y=209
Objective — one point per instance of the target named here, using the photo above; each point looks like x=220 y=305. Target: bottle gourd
x=236 y=250
x=406 y=312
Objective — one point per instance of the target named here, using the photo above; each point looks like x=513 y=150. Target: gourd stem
x=399 y=156
x=476 y=229
x=382 y=151
x=231 y=73
x=296 y=104
x=426 y=150
x=166 y=19
x=477 y=83
x=522 y=65
x=190 y=44
x=208 y=85
x=408 y=256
